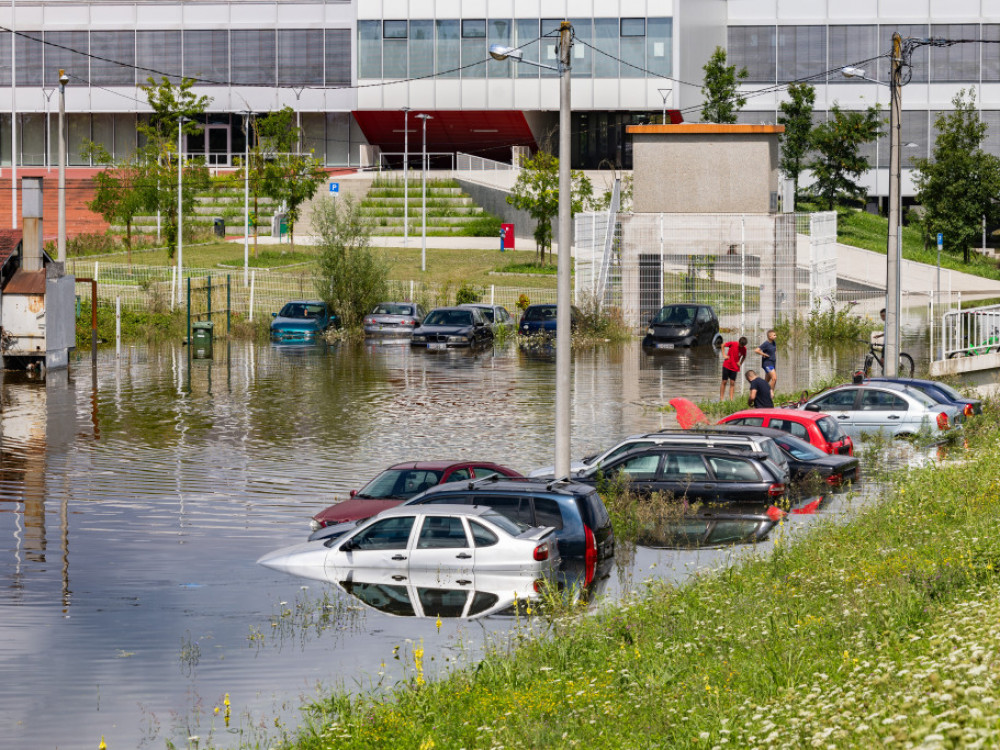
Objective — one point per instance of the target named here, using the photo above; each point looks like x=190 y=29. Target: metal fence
x=970 y=332
x=469 y=162
x=752 y=268
x=149 y=288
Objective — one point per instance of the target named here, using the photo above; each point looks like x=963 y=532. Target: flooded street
x=135 y=498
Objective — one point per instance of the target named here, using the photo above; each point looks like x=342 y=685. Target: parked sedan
x=880 y=408
x=446 y=327
x=428 y=538
x=821 y=430
x=697 y=474
x=940 y=392
x=301 y=320
x=393 y=319
x=496 y=315
x=804 y=459
x=540 y=319
x=682 y=325
x=401 y=482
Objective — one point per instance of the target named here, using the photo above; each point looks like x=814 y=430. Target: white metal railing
x=970 y=332
x=468 y=162
x=413 y=156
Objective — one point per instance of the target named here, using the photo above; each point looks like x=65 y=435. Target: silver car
x=428 y=537
x=393 y=319
x=701 y=438
x=496 y=315
x=892 y=408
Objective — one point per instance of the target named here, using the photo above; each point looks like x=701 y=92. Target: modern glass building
x=351 y=67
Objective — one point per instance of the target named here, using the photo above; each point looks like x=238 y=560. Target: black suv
x=576 y=511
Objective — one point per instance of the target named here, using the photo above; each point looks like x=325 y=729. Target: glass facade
x=618 y=47
x=216 y=57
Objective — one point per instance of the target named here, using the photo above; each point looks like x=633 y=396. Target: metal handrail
x=969 y=332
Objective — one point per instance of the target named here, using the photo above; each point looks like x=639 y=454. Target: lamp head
x=63 y=78
x=852 y=72
x=501 y=53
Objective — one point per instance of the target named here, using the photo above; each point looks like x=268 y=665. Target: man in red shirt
x=736 y=353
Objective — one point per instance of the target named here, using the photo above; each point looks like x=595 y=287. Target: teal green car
x=301 y=321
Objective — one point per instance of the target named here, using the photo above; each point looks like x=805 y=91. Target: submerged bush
x=828 y=324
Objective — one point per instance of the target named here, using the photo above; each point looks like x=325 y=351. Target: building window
x=159 y=53
x=253 y=57
x=66 y=50
x=633 y=48
x=474 y=29
x=206 y=56
x=606 y=40
x=801 y=52
x=394 y=29
x=117 y=46
x=421 y=49
x=338 y=57
x=474 y=51
x=394 y=45
x=449 y=49
x=851 y=45
x=500 y=32
x=633 y=27
x=754 y=48
x=369 y=49
x=300 y=57
x=526 y=38
x=959 y=62
x=660 y=46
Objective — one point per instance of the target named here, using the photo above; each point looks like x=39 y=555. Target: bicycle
x=992 y=344
x=904 y=369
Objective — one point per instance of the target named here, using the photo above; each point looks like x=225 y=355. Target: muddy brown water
x=135 y=497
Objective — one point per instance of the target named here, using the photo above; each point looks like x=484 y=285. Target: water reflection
x=708 y=530
x=160 y=481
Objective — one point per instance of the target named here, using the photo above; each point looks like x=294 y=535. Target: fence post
x=229 y=303
x=208 y=295
x=253 y=281
x=411 y=291
x=493 y=288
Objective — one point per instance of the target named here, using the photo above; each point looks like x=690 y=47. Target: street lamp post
x=61 y=241
x=180 y=205
x=406 y=176
x=563 y=320
x=423 y=196
x=665 y=93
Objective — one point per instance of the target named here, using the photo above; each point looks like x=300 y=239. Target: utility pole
x=563 y=321
x=61 y=242
x=894 y=244
x=406 y=176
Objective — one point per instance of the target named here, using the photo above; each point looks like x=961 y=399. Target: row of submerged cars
x=467 y=325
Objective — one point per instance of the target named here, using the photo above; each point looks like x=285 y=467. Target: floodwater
x=135 y=497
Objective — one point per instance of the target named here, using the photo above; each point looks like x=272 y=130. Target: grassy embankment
x=875 y=632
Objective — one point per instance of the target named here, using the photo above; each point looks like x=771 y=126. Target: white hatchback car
x=883 y=407
x=428 y=537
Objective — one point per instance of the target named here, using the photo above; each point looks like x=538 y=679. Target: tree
x=722 y=101
x=537 y=192
x=353 y=277
x=839 y=162
x=173 y=107
x=120 y=190
x=796 y=116
x=959 y=184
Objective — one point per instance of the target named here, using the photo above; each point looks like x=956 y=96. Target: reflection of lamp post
x=180 y=204
x=894 y=243
x=563 y=330
x=406 y=175
x=423 y=197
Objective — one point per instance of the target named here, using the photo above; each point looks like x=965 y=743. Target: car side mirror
x=274 y=315
x=811 y=407
x=349 y=546
x=353 y=493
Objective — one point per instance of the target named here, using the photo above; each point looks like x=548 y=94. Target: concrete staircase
x=450 y=212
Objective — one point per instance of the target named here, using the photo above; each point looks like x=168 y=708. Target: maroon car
x=399 y=483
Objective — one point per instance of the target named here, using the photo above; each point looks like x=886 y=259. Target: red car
x=399 y=483
x=821 y=430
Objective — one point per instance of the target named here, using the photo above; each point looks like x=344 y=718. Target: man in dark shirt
x=760 y=392
x=768 y=352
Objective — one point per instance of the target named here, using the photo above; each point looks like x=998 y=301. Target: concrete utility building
x=348 y=67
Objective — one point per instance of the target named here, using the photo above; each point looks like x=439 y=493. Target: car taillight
x=942 y=421
x=833 y=480
x=371 y=321
x=776 y=490
x=589 y=555
x=542 y=552
x=967 y=410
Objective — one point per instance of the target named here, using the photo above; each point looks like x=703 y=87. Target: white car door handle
x=893 y=416
x=399 y=557
x=399 y=578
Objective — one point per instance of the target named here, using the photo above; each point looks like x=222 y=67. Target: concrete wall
x=705 y=168
x=494 y=200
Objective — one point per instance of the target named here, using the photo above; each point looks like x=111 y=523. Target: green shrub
x=832 y=325
x=482 y=226
x=467 y=294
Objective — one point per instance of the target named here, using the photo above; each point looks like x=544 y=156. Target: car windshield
x=392 y=308
x=541 y=312
x=774 y=453
x=675 y=316
x=400 y=483
x=799 y=449
x=301 y=310
x=449 y=318
x=830 y=429
x=514 y=528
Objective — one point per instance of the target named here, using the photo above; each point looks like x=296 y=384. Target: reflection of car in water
x=682 y=325
x=708 y=530
x=301 y=320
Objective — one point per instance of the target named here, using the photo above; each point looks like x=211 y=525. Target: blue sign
x=940 y=239
x=334 y=187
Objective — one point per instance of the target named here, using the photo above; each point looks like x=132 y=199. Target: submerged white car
x=428 y=537
x=891 y=408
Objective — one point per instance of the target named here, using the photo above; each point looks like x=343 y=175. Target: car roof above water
x=514 y=484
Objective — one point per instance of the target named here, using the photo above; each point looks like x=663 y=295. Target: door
x=880 y=410
x=840 y=405
x=383 y=544
x=442 y=544
x=218 y=141
x=685 y=474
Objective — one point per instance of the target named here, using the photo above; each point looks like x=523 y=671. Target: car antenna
x=476 y=482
